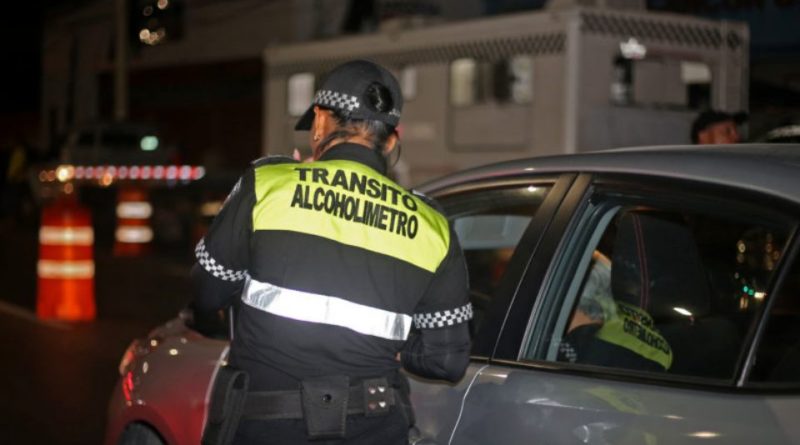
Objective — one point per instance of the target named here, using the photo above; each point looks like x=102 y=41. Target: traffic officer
x=340 y=277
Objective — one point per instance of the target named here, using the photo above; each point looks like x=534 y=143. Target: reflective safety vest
x=350 y=203
x=632 y=328
x=337 y=262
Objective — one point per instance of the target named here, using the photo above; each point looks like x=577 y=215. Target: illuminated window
x=300 y=93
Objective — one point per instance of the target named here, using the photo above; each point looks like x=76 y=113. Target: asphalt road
x=56 y=377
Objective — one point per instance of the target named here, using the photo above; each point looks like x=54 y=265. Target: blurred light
x=162 y=4
x=632 y=49
x=51 y=175
x=740 y=258
x=760 y=295
x=69 y=188
x=147 y=11
x=173 y=352
x=43 y=175
x=186 y=172
x=135 y=172
x=532 y=189
x=78 y=172
x=106 y=180
x=65 y=173
x=145 y=367
x=152 y=37
x=210 y=208
x=741 y=246
x=127 y=386
x=682 y=311
x=705 y=434
x=123 y=172
x=146 y=170
x=148 y=143
x=153 y=342
x=158 y=172
x=172 y=172
x=199 y=172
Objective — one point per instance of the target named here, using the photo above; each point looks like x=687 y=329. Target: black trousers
x=391 y=429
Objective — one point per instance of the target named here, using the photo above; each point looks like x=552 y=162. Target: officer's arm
x=223 y=254
x=440 y=348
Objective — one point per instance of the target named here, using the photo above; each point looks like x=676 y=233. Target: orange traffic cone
x=66 y=263
x=134 y=234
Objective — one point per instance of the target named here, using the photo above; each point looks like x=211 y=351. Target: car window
x=663 y=286
x=489 y=225
x=778 y=355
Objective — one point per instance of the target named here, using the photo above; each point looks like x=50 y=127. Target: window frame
x=652 y=190
x=486 y=339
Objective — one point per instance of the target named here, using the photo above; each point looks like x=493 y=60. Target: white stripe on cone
x=65 y=269
x=134 y=234
x=70 y=236
x=134 y=210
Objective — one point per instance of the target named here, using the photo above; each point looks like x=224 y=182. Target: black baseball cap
x=711 y=117
x=345 y=89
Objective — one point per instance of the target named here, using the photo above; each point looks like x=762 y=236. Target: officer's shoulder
x=273 y=159
x=428 y=200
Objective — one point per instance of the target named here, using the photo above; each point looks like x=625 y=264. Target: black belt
x=372 y=397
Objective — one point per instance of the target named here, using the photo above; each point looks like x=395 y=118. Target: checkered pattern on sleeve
x=213 y=267
x=334 y=99
x=441 y=319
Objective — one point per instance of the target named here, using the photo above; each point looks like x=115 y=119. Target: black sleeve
x=440 y=348
x=223 y=254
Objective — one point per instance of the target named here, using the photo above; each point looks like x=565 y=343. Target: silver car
x=641 y=296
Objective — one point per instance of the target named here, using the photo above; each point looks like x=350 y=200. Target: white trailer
x=559 y=80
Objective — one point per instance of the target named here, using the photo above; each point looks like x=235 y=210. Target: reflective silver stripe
x=316 y=308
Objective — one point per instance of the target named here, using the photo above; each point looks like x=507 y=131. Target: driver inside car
x=607 y=332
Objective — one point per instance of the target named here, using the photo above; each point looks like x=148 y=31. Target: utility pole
x=121 y=62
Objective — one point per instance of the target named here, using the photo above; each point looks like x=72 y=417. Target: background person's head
x=717 y=127
x=359 y=102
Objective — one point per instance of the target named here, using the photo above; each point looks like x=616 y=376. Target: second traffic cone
x=133 y=235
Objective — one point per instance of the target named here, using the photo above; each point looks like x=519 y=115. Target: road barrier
x=65 y=268
x=134 y=233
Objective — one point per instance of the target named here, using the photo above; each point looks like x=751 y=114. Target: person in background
x=717 y=127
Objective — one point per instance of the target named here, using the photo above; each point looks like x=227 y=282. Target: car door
x=635 y=321
x=499 y=224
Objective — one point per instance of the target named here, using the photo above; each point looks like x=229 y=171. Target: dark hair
x=379 y=99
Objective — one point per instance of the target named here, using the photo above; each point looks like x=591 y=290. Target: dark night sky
x=20 y=40
x=773 y=28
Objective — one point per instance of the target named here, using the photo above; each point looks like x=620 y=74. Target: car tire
x=139 y=434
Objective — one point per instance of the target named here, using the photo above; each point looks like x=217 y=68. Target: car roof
x=768 y=168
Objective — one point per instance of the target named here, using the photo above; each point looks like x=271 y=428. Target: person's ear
x=319 y=125
x=391 y=143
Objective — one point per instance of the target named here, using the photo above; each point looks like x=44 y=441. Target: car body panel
x=516 y=405
x=168 y=385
